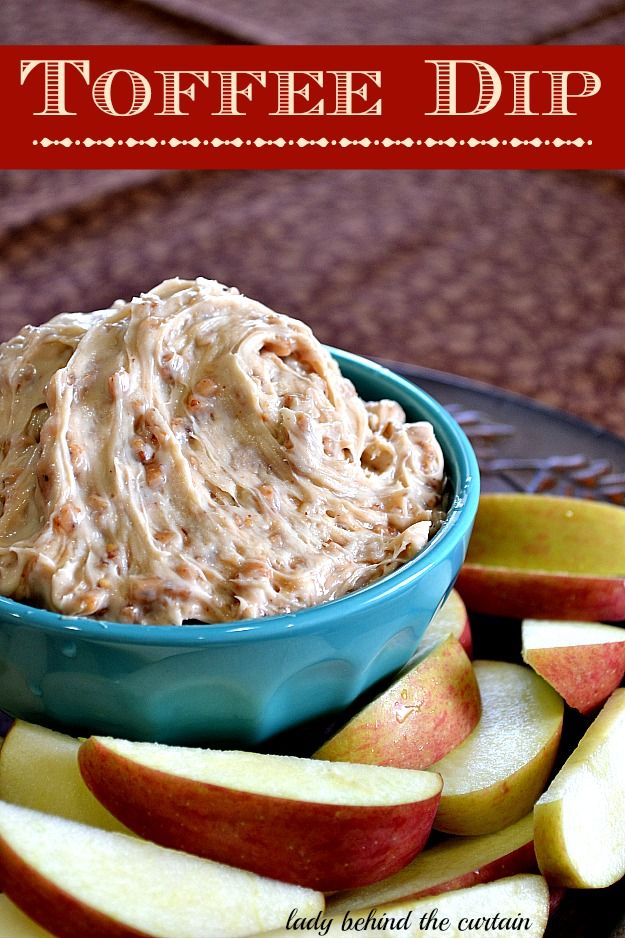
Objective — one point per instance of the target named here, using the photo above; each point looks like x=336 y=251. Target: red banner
x=312 y=107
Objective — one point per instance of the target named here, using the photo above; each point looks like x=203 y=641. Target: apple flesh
x=456 y=863
x=424 y=714
x=583 y=661
x=77 y=880
x=14 y=924
x=545 y=557
x=579 y=822
x=39 y=769
x=326 y=825
x=451 y=619
x=508 y=907
x=495 y=776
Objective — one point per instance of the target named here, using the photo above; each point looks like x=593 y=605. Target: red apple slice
x=427 y=711
x=76 y=880
x=579 y=822
x=508 y=907
x=455 y=863
x=583 y=661
x=39 y=769
x=451 y=619
x=14 y=924
x=544 y=557
x=494 y=777
x=328 y=824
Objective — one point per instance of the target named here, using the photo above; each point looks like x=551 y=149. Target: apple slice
x=78 y=880
x=545 y=557
x=455 y=863
x=583 y=661
x=424 y=714
x=39 y=769
x=328 y=825
x=494 y=777
x=579 y=823
x=14 y=924
x=512 y=906
x=451 y=619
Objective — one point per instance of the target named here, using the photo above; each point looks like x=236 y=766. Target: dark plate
x=525 y=446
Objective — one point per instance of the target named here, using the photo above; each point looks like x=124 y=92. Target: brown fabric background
x=516 y=279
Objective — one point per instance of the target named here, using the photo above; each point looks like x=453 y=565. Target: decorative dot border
x=323 y=142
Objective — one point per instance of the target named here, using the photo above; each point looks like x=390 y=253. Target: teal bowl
x=240 y=683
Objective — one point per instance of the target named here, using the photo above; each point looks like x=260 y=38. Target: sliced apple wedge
x=14 y=924
x=494 y=777
x=331 y=825
x=544 y=557
x=455 y=863
x=451 y=619
x=512 y=906
x=78 y=880
x=583 y=661
x=39 y=769
x=579 y=822
x=431 y=707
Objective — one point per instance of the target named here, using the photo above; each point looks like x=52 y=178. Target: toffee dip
x=194 y=456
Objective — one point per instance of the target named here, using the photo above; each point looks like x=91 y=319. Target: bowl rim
x=459 y=458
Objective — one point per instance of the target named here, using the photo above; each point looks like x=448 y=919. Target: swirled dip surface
x=193 y=455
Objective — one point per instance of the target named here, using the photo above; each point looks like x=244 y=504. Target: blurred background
x=512 y=278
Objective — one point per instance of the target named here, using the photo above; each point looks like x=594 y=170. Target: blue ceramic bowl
x=241 y=682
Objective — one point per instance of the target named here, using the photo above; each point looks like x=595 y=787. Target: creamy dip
x=193 y=455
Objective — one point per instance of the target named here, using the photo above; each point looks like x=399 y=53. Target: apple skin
x=545 y=557
x=424 y=714
x=466 y=638
x=305 y=843
x=39 y=770
x=556 y=895
x=579 y=822
x=482 y=792
x=79 y=881
x=44 y=902
x=520 y=594
x=454 y=863
x=451 y=619
x=14 y=924
x=583 y=674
